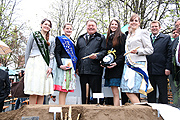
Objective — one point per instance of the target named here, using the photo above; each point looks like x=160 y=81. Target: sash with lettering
x=42 y=45
x=69 y=47
x=141 y=70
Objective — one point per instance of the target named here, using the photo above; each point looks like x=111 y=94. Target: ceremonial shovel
x=87 y=92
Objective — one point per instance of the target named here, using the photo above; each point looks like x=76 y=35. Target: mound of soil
x=87 y=112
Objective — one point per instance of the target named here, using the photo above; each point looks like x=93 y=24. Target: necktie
x=179 y=54
x=87 y=38
x=154 y=37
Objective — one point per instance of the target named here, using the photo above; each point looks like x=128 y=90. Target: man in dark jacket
x=175 y=76
x=89 y=69
x=159 y=63
x=4 y=87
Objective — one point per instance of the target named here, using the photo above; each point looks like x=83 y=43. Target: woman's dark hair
x=117 y=33
x=22 y=74
x=47 y=35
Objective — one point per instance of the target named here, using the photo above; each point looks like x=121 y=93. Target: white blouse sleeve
x=147 y=48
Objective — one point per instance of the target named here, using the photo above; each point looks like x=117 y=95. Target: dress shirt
x=155 y=36
x=177 y=49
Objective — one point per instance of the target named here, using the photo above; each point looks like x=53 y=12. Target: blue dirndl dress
x=137 y=80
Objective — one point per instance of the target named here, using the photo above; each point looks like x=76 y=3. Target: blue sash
x=140 y=71
x=69 y=47
x=145 y=86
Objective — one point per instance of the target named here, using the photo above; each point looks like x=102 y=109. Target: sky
x=33 y=11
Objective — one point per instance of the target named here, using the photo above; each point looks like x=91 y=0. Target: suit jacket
x=140 y=39
x=174 y=46
x=96 y=44
x=161 y=59
x=175 y=68
x=4 y=85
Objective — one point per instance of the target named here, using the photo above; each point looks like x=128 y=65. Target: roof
x=10 y=71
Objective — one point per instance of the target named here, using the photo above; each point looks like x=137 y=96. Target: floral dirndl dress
x=64 y=81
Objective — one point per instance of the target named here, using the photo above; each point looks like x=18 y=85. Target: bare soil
x=87 y=112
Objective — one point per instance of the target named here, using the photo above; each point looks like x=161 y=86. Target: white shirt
x=155 y=35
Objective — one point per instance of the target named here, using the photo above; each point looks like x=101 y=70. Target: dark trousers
x=1 y=105
x=161 y=82
x=95 y=83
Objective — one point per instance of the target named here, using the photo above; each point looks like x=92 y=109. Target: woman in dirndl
x=39 y=59
x=65 y=65
x=135 y=78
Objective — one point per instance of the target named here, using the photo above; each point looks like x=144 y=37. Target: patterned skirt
x=112 y=82
x=64 y=81
x=36 y=81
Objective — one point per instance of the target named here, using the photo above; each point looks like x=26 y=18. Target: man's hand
x=167 y=72
x=93 y=56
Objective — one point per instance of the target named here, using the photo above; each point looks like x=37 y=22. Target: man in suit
x=4 y=87
x=175 y=77
x=91 y=43
x=159 y=63
x=175 y=34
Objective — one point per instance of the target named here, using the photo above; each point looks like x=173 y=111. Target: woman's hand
x=101 y=64
x=134 y=51
x=64 y=67
x=49 y=71
x=77 y=72
x=112 y=65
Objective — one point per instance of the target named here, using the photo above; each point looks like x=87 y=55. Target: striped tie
x=154 y=37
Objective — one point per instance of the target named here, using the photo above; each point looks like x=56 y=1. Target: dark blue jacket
x=161 y=59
